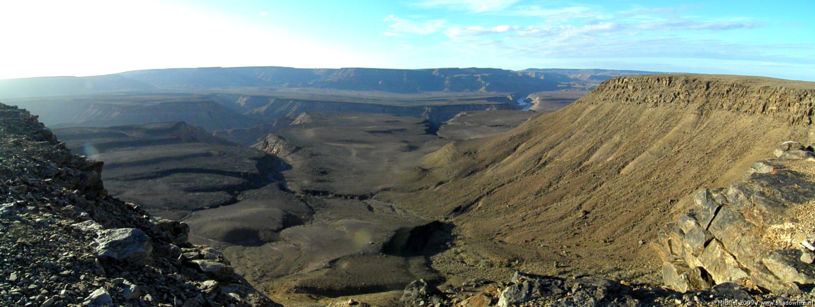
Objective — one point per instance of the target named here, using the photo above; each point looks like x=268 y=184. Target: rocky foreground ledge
x=758 y=233
x=65 y=242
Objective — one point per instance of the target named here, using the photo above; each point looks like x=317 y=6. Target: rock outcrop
x=790 y=101
x=757 y=233
x=64 y=241
x=276 y=145
x=525 y=289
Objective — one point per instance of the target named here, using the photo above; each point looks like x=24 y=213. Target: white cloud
x=695 y=25
x=477 y=6
x=414 y=27
x=501 y=28
x=565 y=13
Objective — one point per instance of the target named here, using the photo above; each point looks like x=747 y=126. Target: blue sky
x=88 y=37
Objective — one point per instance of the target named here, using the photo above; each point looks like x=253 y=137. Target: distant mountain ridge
x=356 y=79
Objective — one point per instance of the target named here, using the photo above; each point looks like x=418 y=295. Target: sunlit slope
x=589 y=186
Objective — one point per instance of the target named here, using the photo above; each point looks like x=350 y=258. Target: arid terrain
x=346 y=184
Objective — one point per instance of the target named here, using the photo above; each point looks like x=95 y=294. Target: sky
x=92 y=37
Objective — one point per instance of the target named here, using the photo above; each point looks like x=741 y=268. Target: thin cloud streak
x=582 y=32
x=415 y=27
x=475 y=6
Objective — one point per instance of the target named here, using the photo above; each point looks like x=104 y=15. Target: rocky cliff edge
x=757 y=233
x=65 y=242
x=790 y=101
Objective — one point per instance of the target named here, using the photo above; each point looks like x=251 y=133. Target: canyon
x=354 y=184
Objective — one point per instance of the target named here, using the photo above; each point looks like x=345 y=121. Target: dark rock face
x=753 y=233
x=64 y=241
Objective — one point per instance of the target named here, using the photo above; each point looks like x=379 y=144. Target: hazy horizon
x=93 y=37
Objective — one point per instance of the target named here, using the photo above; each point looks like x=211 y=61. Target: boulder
x=420 y=293
x=528 y=287
x=128 y=245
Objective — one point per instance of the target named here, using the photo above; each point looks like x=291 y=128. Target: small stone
x=762 y=167
x=130 y=291
x=209 y=286
x=214 y=269
x=87 y=226
x=99 y=297
x=807 y=256
x=49 y=302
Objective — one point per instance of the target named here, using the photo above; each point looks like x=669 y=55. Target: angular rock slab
x=128 y=245
x=214 y=269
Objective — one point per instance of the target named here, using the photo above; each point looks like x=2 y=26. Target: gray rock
x=787 y=267
x=87 y=226
x=419 y=293
x=130 y=291
x=762 y=167
x=49 y=302
x=731 y=291
x=528 y=287
x=787 y=146
x=214 y=269
x=722 y=266
x=675 y=276
x=807 y=257
x=796 y=154
x=178 y=231
x=209 y=286
x=515 y=294
x=697 y=238
x=211 y=254
x=700 y=279
x=99 y=297
x=129 y=245
x=589 y=291
x=706 y=207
